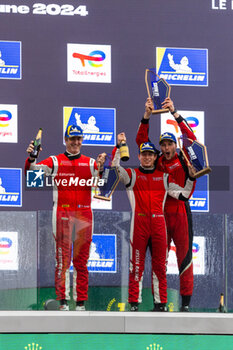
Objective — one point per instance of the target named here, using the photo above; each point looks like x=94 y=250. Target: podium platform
x=115 y=322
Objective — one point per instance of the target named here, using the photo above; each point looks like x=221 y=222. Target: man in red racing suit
x=177 y=214
x=73 y=175
x=147 y=189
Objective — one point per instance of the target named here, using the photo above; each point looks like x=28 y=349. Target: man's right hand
x=148 y=108
x=121 y=137
x=31 y=148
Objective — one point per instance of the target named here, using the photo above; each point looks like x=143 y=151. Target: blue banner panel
x=102 y=254
x=10 y=60
x=199 y=201
x=98 y=124
x=10 y=187
x=181 y=66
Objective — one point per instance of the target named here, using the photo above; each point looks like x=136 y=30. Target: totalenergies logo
x=5 y=116
x=193 y=122
x=5 y=244
x=195 y=249
x=94 y=56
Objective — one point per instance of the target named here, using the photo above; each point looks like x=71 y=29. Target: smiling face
x=147 y=159
x=168 y=148
x=73 y=144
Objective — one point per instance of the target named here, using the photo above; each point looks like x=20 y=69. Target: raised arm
x=181 y=122
x=143 y=129
x=125 y=174
x=30 y=164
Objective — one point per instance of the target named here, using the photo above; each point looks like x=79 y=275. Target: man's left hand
x=168 y=103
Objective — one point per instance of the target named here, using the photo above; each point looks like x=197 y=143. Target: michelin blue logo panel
x=10 y=60
x=10 y=187
x=102 y=253
x=199 y=201
x=98 y=125
x=180 y=66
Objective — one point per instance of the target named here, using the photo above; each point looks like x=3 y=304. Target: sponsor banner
x=198 y=257
x=98 y=124
x=10 y=60
x=199 y=201
x=8 y=123
x=102 y=253
x=195 y=119
x=9 y=251
x=10 y=187
x=113 y=341
x=102 y=256
x=89 y=63
x=182 y=66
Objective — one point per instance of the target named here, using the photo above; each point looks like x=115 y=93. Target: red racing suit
x=177 y=213
x=147 y=190
x=72 y=218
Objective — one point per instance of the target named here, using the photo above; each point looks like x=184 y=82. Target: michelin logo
x=199 y=201
x=98 y=124
x=90 y=130
x=102 y=253
x=10 y=60
x=179 y=66
x=10 y=187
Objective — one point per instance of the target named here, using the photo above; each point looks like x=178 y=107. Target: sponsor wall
x=92 y=73
x=85 y=64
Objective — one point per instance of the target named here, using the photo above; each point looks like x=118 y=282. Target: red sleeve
x=26 y=165
x=185 y=128
x=186 y=131
x=114 y=152
x=143 y=133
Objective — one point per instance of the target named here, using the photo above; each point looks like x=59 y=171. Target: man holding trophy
x=177 y=214
x=147 y=189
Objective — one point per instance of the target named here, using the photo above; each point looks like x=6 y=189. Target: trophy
x=111 y=178
x=197 y=153
x=158 y=89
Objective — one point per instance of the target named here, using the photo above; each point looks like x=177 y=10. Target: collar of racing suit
x=146 y=171
x=72 y=156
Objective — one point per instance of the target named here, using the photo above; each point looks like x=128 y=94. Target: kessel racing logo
x=98 y=124
x=180 y=66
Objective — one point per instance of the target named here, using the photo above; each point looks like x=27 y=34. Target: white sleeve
x=94 y=172
x=179 y=192
x=124 y=177
x=45 y=167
